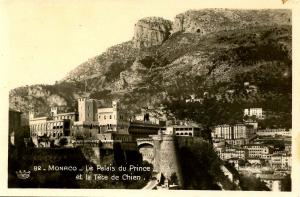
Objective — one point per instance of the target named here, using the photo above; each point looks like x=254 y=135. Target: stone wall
x=166 y=158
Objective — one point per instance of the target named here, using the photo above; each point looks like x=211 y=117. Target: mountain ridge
x=179 y=61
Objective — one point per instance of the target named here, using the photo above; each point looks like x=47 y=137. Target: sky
x=42 y=40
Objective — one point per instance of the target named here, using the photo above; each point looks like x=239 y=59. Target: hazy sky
x=44 y=39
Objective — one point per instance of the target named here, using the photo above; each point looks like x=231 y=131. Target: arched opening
x=198 y=31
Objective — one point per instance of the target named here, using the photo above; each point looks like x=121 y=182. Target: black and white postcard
x=149 y=95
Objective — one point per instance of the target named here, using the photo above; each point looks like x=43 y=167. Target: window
x=109 y=116
x=104 y=117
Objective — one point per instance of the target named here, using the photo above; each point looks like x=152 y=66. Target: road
x=151 y=184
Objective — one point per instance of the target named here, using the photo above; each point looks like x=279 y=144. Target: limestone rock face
x=212 y=20
x=151 y=31
x=130 y=78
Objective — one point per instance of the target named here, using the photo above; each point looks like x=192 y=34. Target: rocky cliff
x=151 y=31
x=165 y=63
x=213 y=20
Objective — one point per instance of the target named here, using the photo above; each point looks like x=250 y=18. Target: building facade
x=257 y=112
x=236 y=135
x=113 y=119
x=258 y=150
x=274 y=132
x=281 y=161
x=141 y=129
x=184 y=130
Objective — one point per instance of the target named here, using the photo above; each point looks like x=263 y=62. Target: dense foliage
x=251 y=183
x=201 y=168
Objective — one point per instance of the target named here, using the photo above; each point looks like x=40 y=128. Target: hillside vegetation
x=213 y=66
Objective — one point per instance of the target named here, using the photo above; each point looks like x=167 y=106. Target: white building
x=273 y=181
x=235 y=135
x=113 y=119
x=281 y=161
x=274 y=132
x=226 y=154
x=239 y=131
x=193 y=99
x=258 y=150
x=257 y=112
x=184 y=130
x=50 y=128
x=222 y=131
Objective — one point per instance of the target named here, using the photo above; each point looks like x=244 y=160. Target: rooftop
x=14 y=110
x=107 y=109
x=270 y=176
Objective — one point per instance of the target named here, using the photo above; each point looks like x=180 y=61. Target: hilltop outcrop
x=213 y=20
x=151 y=31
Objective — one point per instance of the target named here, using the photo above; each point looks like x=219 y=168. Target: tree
x=241 y=162
x=286 y=183
x=174 y=179
x=63 y=141
x=251 y=183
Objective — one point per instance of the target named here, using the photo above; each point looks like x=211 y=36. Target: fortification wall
x=91 y=153
x=166 y=157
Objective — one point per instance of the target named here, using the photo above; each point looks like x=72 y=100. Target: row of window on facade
x=185 y=134
x=110 y=126
x=144 y=128
x=44 y=127
x=63 y=118
x=52 y=134
x=186 y=129
x=110 y=117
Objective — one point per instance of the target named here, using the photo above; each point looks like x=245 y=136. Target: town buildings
x=255 y=152
x=258 y=150
x=92 y=122
x=235 y=135
x=281 y=161
x=274 y=132
x=47 y=130
x=242 y=144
